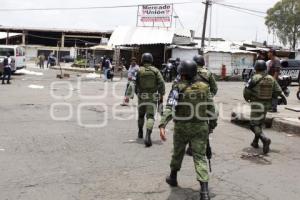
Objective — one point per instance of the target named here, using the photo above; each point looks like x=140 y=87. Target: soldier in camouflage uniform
x=259 y=91
x=204 y=75
x=150 y=89
x=190 y=105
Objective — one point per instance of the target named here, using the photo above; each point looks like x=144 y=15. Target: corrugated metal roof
x=45 y=29
x=125 y=35
x=4 y=35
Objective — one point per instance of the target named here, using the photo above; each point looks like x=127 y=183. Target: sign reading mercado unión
x=156 y=15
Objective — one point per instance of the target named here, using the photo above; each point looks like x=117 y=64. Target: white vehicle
x=17 y=54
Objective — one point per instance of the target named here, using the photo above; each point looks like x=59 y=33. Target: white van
x=17 y=54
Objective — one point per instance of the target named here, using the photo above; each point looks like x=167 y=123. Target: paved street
x=52 y=147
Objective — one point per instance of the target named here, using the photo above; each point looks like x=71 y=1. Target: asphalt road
x=59 y=141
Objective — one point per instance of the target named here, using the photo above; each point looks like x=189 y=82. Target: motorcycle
x=284 y=81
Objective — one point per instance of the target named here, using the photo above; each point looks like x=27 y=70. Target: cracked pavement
x=46 y=159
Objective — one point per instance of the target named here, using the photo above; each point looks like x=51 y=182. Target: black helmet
x=147 y=58
x=199 y=60
x=260 y=65
x=188 y=68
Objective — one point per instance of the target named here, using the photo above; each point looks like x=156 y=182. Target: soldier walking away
x=204 y=75
x=191 y=102
x=259 y=92
x=274 y=70
x=150 y=88
x=41 y=60
x=132 y=73
x=7 y=69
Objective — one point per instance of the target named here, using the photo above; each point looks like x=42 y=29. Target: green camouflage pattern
x=190 y=131
x=205 y=75
x=147 y=97
x=197 y=135
x=260 y=98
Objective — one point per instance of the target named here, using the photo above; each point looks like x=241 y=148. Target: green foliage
x=284 y=20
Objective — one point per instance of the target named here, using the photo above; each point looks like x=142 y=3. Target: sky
x=226 y=23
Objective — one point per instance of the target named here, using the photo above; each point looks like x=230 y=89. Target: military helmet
x=199 y=60
x=147 y=58
x=188 y=68
x=260 y=65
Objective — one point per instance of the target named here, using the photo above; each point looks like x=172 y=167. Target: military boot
x=148 y=142
x=172 y=179
x=266 y=143
x=141 y=133
x=255 y=141
x=204 y=194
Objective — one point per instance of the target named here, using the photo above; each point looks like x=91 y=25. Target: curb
x=75 y=70
x=288 y=126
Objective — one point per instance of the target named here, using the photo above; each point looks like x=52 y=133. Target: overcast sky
x=226 y=23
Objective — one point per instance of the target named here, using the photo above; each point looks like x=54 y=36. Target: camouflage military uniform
x=149 y=87
x=260 y=97
x=203 y=74
x=187 y=129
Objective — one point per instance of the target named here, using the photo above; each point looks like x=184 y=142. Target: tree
x=284 y=20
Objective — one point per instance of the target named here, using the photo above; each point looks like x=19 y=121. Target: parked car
x=291 y=68
x=67 y=59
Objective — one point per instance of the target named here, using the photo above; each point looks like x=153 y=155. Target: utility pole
x=207 y=4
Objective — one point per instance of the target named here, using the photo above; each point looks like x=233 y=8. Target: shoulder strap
x=257 y=82
x=202 y=77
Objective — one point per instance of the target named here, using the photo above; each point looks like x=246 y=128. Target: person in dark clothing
x=7 y=69
x=274 y=70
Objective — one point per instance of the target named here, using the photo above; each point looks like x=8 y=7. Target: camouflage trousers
x=197 y=135
x=258 y=115
x=146 y=108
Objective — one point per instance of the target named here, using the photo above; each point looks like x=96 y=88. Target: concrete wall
x=215 y=60
x=234 y=62
x=184 y=54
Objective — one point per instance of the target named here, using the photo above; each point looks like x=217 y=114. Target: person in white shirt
x=132 y=72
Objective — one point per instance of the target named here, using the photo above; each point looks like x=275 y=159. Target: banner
x=156 y=15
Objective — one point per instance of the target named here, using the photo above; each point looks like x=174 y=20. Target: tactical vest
x=192 y=103
x=148 y=82
x=265 y=89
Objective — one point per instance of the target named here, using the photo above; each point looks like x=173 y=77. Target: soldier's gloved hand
x=212 y=124
x=283 y=98
x=162 y=133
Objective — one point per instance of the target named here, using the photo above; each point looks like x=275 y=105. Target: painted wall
x=234 y=62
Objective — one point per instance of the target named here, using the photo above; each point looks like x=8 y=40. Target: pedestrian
x=41 y=60
x=259 y=92
x=189 y=104
x=204 y=75
x=150 y=89
x=274 y=70
x=132 y=72
x=7 y=68
x=106 y=69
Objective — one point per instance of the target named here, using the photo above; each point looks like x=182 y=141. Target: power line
x=240 y=8
x=245 y=12
x=88 y=8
